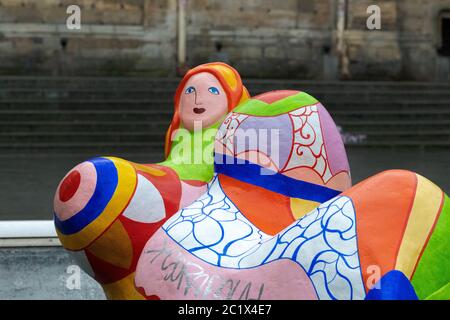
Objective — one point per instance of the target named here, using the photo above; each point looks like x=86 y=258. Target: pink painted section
x=170 y=272
x=337 y=157
x=340 y=181
x=258 y=158
x=190 y=193
x=85 y=190
x=275 y=95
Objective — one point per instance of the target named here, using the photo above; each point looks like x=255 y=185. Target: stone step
x=100 y=118
x=92 y=102
x=366 y=85
x=167 y=105
x=401 y=143
x=387 y=123
x=116 y=104
x=363 y=127
x=81 y=127
x=156 y=150
x=167 y=100
x=82 y=116
x=170 y=83
x=169 y=113
x=92 y=82
x=381 y=117
x=416 y=138
x=100 y=148
x=416 y=107
x=158 y=138
x=149 y=126
x=13 y=94
x=64 y=137
x=131 y=115
x=57 y=132
x=383 y=112
x=63 y=94
x=354 y=92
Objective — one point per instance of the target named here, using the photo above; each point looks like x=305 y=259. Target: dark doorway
x=445 y=36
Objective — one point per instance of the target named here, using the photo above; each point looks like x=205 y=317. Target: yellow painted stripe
x=126 y=185
x=425 y=209
x=114 y=246
x=149 y=170
x=300 y=207
x=123 y=289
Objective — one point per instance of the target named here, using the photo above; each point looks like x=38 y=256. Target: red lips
x=199 y=110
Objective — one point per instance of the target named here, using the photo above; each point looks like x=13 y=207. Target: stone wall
x=116 y=37
x=405 y=47
x=262 y=38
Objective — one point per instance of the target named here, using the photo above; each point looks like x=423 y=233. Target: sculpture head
x=204 y=101
x=204 y=96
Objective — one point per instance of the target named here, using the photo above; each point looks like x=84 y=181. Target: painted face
x=202 y=100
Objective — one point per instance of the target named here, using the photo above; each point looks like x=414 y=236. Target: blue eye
x=213 y=90
x=189 y=90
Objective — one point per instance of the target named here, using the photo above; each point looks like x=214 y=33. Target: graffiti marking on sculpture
x=193 y=281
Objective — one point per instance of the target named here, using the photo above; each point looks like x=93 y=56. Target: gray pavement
x=44 y=273
x=28 y=182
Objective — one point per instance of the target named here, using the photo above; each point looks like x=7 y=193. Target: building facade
x=300 y=39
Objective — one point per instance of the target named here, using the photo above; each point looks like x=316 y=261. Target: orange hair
x=231 y=82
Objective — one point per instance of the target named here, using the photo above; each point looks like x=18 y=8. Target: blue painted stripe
x=394 y=285
x=254 y=174
x=107 y=178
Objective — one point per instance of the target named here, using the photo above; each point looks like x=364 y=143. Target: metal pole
x=340 y=46
x=181 y=34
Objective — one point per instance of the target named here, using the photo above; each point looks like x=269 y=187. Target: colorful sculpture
x=278 y=218
x=107 y=208
x=274 y=223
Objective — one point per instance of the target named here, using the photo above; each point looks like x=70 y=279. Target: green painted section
x=251 y=107
x=432 y=275
x=441 y=294
x=191 y=155
x=254 y=107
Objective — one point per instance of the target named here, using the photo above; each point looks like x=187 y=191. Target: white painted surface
x=27 y=229
x=147 y=204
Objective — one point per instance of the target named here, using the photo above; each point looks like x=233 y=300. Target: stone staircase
x=130 y=115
